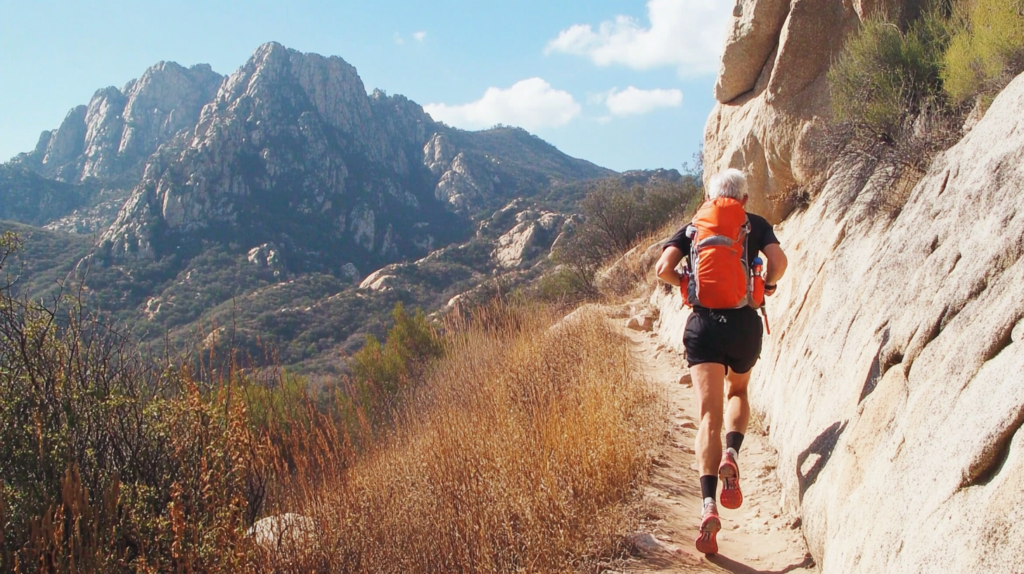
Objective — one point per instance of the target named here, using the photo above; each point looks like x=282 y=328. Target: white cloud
x=633 y=101
x=419 y=36
x=530 y=104
x=686 y=34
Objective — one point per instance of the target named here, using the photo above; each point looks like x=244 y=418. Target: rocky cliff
x=891 y=382
x=291 y=150
x=772 y=94
x=116 y=132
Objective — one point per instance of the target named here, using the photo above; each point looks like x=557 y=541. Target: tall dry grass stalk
x=516 y=454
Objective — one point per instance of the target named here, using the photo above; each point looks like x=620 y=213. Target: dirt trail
x=756 y=538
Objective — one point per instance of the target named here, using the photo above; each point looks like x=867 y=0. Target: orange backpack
x=718 y=276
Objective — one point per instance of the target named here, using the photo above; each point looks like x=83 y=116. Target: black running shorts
x=729 y=337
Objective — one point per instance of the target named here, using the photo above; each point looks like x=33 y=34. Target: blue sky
x=623 y=83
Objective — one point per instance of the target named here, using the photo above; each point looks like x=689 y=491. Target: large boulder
x=773 y=96
x=752 y=39
x=513 y=248
x=534 y=232
x=891 y=382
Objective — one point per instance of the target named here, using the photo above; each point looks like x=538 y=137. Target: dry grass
x=517 y=454
x=519 y=449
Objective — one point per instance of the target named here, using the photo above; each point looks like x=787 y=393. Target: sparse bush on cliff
x=900 y=94
x=986 y=50
x=889 y=109
x=885 y=76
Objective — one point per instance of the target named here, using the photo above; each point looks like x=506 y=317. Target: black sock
x=733 y=440
x=708 y=486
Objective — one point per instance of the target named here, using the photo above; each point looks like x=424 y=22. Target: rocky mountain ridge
x=291 y=150
x=112 y=136
x=264 y=198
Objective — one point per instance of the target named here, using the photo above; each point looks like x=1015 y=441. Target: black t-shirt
x=761 y=236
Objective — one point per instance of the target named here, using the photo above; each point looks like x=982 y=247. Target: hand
x=769 y=290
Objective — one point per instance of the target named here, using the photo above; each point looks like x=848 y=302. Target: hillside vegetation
x=505 y=442
x=514 y=455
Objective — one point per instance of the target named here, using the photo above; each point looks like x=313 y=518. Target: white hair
x=730 y=183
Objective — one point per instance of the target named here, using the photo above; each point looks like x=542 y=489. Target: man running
x=722 y=346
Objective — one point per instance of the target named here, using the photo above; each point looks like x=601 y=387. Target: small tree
x=615 y=215
x=382 y=371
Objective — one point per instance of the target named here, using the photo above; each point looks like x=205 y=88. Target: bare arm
x=776 y=267
x=666 y=267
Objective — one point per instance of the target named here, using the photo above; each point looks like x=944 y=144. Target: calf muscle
x=708 y=379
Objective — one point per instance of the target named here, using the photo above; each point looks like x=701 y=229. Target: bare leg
x=737 y=408
x=708 y=383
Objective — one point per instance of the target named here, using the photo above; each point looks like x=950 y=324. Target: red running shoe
x=710 y=524
x=729 y=474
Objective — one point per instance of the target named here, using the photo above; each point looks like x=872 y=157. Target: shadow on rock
x=822 y=447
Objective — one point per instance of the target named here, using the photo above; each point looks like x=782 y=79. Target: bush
x=381 y=372
x=986 y=50
x=615 y=217
x=885 y=76
x=891 y=115
x=109 y=462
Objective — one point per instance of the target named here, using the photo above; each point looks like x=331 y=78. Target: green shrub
x=891 y=115
x=885 y=75
x=987 y=49
x=615 y=217
x=381 y=371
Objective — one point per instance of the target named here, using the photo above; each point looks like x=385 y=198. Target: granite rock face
x=753 y=37
x=117 y=131
x=891 y=381
x=894 y=373
x=773 y=96
x=533 y=232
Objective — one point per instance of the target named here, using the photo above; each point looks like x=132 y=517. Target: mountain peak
x=291 y=150
x=111 y=138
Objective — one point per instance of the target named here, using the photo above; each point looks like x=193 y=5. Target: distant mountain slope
x=44 y=261
x=33 y=199
x=265 y=197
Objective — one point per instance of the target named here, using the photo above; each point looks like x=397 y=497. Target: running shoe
x=710 y=524
x=729 y=474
